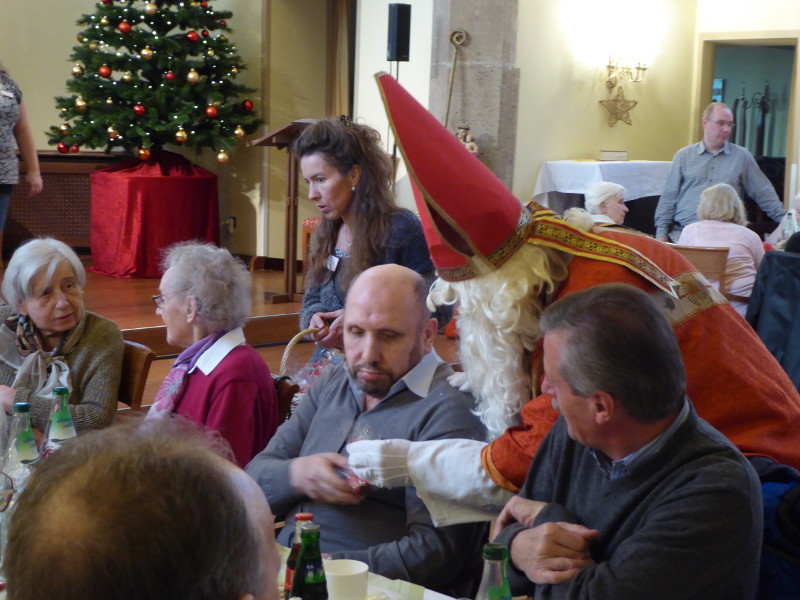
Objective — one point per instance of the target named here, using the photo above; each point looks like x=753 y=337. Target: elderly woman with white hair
x=47 y=339
x=606 y=203
x=723 y=224
x=218 y=381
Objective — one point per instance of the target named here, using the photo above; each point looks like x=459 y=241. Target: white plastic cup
x=347 y=579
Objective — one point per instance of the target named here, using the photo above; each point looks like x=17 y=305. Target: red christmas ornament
x=74 y=148
x=204 y=4
x=108 y=2
x=169 y=76
x=205 y=32
x=247 y=104
x=211 y=112
x=104 y=71
x=192 y=36
x=63 y=148
x=139 y=110
x=124 y=27
x=223 y=23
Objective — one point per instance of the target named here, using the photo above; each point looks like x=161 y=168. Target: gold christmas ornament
x=210 y=52
x=104 y=21
x=234 y=70
x=222 y=157
x=150 y=8
x=181 y=136
x=193 y=76
x=143 y=153
x=109 y=100
x=93 y=46
x=238 y=133
x=77 y=71
x=80 y=103
x=112 y=133
x=222 y=38
x=64 y=129
x=127 y=77
x=147 y=53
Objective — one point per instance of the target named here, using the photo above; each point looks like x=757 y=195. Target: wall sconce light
x=615 y=73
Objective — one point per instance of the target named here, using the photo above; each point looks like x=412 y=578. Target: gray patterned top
x=10 y=98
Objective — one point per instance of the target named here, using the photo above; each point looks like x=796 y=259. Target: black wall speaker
x=399 y=32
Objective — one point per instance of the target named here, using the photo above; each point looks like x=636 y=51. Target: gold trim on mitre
x=498 y=256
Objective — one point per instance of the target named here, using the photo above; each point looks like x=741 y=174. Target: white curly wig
x=498 y=322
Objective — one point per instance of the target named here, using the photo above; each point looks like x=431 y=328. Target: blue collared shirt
x=620 y=468
x=694 y=168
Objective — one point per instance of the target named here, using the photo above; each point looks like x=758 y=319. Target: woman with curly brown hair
x=350 y=180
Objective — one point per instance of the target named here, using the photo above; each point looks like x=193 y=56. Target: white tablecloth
x=640 y=177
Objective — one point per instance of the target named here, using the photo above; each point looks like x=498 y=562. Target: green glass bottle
x=291 y=561
x=494 y=583
x=309 y=576
x=61 y=427
x=20 y=452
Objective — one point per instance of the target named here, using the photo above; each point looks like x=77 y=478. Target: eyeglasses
x=160 y=299
x=6 y=491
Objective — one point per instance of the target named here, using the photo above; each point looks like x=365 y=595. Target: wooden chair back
x=710 y=261
x=286 y=389
x=136 y=362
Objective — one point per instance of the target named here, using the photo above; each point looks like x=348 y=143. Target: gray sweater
x=95 y=365
x=391 y=530
x=686 y=522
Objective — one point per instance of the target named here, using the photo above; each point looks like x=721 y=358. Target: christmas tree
x=152 y=73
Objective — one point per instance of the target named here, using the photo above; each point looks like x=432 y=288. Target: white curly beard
x=498 y=321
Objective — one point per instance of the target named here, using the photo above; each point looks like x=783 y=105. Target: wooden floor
x=128 y=303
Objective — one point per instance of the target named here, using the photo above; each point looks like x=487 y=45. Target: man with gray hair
x=712 y=160
x=631 y=494
x=142 y=511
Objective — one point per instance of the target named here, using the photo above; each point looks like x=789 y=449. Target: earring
x=353 y=189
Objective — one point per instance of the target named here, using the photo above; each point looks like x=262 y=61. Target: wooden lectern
x=282 y=138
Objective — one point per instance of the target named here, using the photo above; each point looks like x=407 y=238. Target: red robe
x=733 y=381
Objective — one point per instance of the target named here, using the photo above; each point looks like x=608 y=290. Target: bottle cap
x=61 y=391
x=22 y=407
x=304 y=516
x=309 y=527
x=495 y=552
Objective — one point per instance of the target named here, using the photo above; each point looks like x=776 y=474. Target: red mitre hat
x=472 y=223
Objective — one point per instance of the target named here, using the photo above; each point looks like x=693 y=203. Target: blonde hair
x=498 y=322
x=721 y=202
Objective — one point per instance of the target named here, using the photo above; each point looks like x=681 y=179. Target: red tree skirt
x=141 y=207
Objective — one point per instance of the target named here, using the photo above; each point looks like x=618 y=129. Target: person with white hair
x=501 y=277
x=605 y=201
x=218 y=381
x=48 y=339
x=723 y=224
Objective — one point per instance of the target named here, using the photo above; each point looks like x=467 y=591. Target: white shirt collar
x=221 y=348
x=419 y=379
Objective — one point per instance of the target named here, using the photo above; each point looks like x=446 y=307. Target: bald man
x=393 y=385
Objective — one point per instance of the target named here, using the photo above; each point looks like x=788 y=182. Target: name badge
x=6 y=93
x=332 y=262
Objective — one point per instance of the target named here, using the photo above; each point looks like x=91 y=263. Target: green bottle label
x=314 y=573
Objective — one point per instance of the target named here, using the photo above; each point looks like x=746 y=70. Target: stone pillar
x=486 y=83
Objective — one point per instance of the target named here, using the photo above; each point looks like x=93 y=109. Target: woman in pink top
x=723 y=224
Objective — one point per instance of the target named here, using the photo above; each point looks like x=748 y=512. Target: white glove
x=460 y=381
x=383 y=463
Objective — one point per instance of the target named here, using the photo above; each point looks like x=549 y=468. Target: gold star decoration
x=618 y=108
